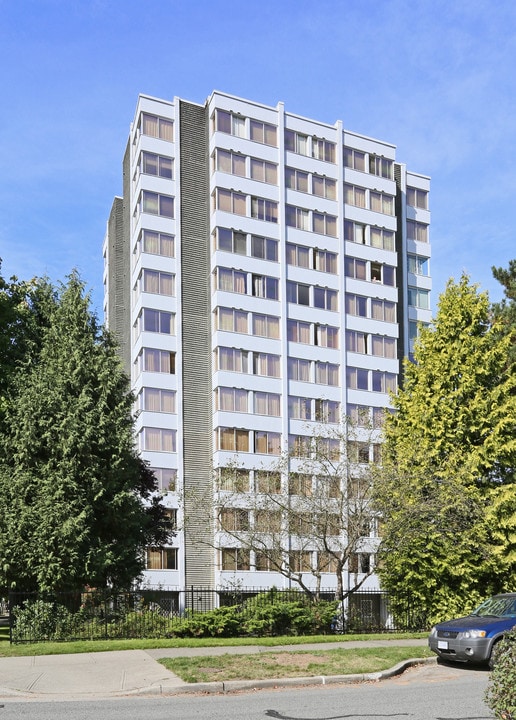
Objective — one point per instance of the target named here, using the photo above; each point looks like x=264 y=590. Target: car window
x=497 y=607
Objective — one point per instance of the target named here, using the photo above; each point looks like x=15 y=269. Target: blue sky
x=435 y=77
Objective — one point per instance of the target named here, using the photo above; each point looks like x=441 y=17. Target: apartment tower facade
x=263 y=271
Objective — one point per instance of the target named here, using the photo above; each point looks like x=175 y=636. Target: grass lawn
x=290 y=664
x=59 y=648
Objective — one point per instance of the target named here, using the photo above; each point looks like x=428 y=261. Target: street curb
x=229 y=686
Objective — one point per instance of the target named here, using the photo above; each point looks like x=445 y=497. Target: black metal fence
x=158 y=613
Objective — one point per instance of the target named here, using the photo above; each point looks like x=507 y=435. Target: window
x=354 y=159
x=161 y=559
x=298 y=293
x=382 y=346
x=326 y=374
x=356 y=341
x=300 y=561
x=298 y=331
x=267 y=521
x=324 y=224
x=299 y=484
x=383 y=310
x=357 y=378
x=358 y=452
x=166 y=478
x=234 y=520
x=324 y=187
x=160 y=283
x=299 y=369
x=385 y=274
x=232 y=399
x=157 y=321
x=265 y=287
x=157 y=400
x=296 y=179
x=327 y=411
x=384 y=382
x=381 y=166
x=230 y=123
x=233 y=439
x=326 y=562
x=232 y=359
x=267 y=482
x=266 y=403
x=359 y=563
x=156 y=243
x=354 y=195
x=296 y=142
x=263 y=133
x=419 y=298
x=234 y=559
x=356 y=305
x=381 y=238
x=298 y=255
x=230 y=162
x=233 y=479
x=299 y=445
x=265 y=326
x=299 y=408
x=381 y=202
x=268 y=561
x=418 y=265
x=417 y=231
x=266 y=365
x=231 y=201
x=378 y=417
x=156 y=204
x=262 y=209
x=325 y=261
x=157 y=127
x=264 y=248
x=354 y=232
x=355 y=268
x=232 y=320
x=267 y=443
x=264 y=171
x=327 y=336
x=417 y=198
x=325 y=298
x=158 y=361
x=359 y=415
x=151 y=164
x=323 y=150
x=155 y=439
x=232 y=280
x=231 y=241
x=297 y=217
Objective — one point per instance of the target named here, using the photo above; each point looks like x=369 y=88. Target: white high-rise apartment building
x=262 y=270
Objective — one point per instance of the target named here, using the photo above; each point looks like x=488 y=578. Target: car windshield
x=497 y=607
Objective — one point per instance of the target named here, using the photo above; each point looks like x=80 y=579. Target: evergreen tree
x=450 y=452
x=77 y=502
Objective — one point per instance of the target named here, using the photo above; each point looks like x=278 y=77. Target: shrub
x=37 y=620
x=501 y=690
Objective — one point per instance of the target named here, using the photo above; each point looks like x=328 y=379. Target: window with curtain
x=299 y=369
x=265 y=326
x=266 y=403
x=298 y=331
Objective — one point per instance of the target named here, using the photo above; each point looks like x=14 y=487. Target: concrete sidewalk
x=137 y=672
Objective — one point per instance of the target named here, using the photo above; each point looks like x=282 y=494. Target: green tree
x=450 y=453
x=505 y=311
x=77 y=502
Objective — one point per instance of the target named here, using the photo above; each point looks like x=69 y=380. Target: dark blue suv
x=474 y=637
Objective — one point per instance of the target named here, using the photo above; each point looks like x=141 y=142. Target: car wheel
x=494 y=652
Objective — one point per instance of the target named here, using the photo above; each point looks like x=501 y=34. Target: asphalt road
x=429 y=692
